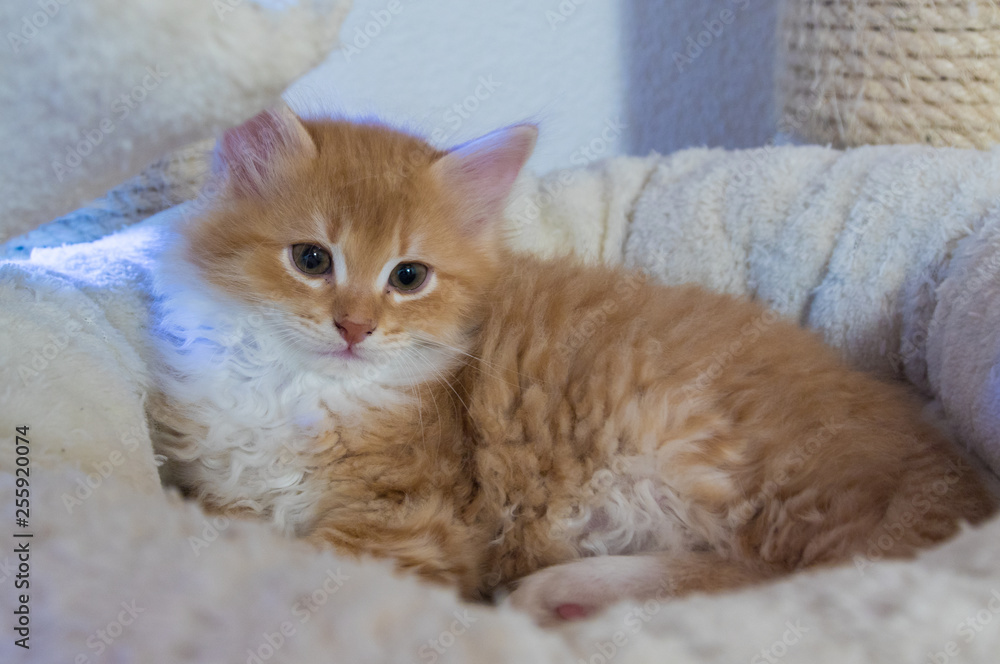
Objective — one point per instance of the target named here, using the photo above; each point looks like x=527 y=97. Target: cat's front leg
x=426 y=538
x=585 y=587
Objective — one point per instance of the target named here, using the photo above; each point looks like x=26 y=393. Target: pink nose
x=354 y=332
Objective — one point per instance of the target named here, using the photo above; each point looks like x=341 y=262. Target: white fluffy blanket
x=889 y=252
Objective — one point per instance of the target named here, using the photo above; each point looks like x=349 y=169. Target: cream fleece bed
x=210 y=590
x=891 y=253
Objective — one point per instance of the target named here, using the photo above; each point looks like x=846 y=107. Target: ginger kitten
x=350 y=351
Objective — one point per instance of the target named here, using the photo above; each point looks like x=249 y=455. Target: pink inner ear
x=251 y=153
x=483 y=171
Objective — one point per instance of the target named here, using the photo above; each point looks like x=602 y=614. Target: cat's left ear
x=481 y=172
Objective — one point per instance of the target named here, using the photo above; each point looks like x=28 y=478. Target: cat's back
x=622 y=415
x=620 y=349
x=559 y=318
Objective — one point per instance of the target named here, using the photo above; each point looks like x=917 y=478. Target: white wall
x=455 y=69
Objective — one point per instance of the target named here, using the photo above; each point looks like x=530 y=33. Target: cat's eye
x=311 y=259
x=408 y=277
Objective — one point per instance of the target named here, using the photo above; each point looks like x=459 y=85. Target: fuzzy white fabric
x=176 y=178
x=93 y=91
x=74 y=363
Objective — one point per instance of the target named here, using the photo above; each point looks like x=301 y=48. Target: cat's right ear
x=247 y=157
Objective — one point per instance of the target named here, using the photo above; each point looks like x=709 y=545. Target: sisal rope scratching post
x=857 y=72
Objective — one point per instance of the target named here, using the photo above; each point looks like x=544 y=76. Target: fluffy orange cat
x=351 y=351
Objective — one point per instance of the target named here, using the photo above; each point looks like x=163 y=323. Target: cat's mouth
x=349 y=353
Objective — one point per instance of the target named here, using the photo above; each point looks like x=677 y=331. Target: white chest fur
x=249 y=418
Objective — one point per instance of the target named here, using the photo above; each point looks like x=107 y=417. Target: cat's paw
x=583 y=588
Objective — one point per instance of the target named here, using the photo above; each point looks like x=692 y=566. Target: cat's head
x=359 y=246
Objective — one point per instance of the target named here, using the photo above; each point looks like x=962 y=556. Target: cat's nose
x=353 y=331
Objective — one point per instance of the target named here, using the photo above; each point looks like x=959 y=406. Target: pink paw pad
x=572 y=611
